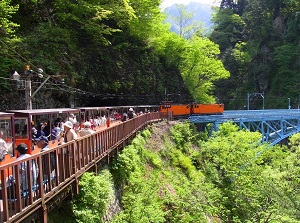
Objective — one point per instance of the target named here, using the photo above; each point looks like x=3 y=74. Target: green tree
x=287 y=58
x=8 y=39
x=256 y=181
x=183 y=22
x=7 y=26
x=200 y=68
x=229 y=28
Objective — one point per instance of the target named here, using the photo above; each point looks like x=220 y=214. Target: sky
x=167 y=3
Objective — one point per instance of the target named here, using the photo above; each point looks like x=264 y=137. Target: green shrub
x=182 y=161
x=146 y=134
x=128 y=161
x=94 y=196
x=153 y=158
x=183 y=133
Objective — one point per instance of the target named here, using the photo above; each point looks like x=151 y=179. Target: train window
x=6 y=128
x=21 y=128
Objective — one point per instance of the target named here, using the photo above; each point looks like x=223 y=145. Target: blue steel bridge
x=274 y=125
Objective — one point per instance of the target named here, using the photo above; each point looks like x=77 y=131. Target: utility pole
x=165 y=94
x=28 y=90
x=28 y=95
x=28 y=98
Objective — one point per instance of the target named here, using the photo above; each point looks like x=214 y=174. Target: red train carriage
x=176 y=109
x=203 y=109
x=25 y=120
x=192 y=109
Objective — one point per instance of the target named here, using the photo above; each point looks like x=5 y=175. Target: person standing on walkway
x=86 y=130
x=130 y=113
x=69 y=133
x=22 y=153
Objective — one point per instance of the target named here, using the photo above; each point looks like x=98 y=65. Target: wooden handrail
x=71 y=161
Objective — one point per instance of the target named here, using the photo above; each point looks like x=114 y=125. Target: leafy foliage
x=120 y=51
x=8 y=27
x=93 y=198
x=140 y=199
x=268 y=59
x=228 y=177
x=90 y=208
x=183 y=133
x=200 y=68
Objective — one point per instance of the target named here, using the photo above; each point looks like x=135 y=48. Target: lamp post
x=16 y=76
x=289 y=103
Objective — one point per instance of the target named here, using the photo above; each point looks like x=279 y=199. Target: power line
x=62 y=87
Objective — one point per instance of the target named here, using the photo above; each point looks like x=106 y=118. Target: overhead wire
x=62 y=87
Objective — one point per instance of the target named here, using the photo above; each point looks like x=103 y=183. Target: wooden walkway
x=72 y=160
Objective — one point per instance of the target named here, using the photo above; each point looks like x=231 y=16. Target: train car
x=202 y=109
x=92 y=113
x=138 y=109
x=176 y=109
x=25 y=120
x=192 y=109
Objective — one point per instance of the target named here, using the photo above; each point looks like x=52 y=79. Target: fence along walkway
x=71 y=161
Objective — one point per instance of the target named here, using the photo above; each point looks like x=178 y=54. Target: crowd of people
x=61 y=132
x=73 y=128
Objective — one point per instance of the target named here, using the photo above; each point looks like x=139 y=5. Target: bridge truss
x=274 y=125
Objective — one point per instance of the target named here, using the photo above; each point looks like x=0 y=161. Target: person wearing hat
x=86 y=130
x=22 y=154
x=69 y=133
x=21 y=150
x=130 y=113
x=72 y=119
x=42 y=143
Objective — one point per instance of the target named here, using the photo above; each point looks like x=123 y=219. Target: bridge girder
x=274 y=127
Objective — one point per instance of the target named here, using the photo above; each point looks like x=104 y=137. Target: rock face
x=278 y=23
x=114 y=206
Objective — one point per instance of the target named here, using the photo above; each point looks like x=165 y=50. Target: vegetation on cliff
x=106 y=53
x=259 y=43
x=171 y=173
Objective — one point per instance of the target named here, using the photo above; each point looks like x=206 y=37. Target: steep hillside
x=172 y=173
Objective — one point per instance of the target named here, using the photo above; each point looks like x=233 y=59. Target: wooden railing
x=23 y=194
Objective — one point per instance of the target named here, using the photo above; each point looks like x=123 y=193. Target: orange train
x=16 y=125
x=192 y=109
